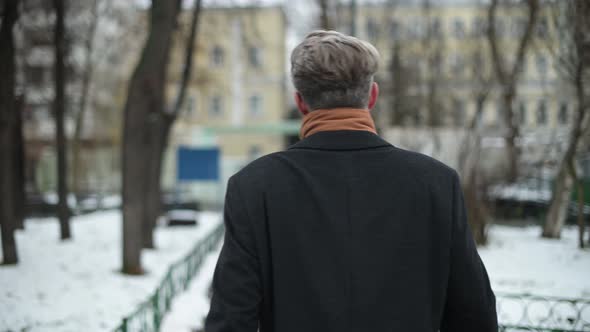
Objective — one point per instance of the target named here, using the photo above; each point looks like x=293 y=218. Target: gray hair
x=330 y=70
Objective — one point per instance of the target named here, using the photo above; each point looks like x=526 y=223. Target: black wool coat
x=345 y=232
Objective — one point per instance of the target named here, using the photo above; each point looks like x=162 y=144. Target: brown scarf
x=336 y=119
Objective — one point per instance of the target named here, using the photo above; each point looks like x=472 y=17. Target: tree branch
x=188 y=60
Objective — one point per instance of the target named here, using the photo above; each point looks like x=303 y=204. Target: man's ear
x=374 y=95
x=301 y=105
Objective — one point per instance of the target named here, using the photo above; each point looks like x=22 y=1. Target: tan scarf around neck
x=336 y=119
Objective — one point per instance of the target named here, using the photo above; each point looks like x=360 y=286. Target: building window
x=523 y=65
x=478 y=27
x=542 y=65
x=190 y=106
x=217 y=56
x=478 y=62
x=500 y=114
x=542 y=29
x=459 y=111
x=35 y=75
x=372 y=29
x=215 y=106
x=500 y=27
x=255 y=105
x=478 y=115
x=542 y=113
x=255 y=57
x=458 y=28
x=435 y=63
x=395 y=29
x=436 y=27
x=457 y=64
x=522 y=113
x=415 y=29
x=563 y=114
x=518 y=27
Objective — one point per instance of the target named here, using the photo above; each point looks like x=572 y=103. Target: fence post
x=156 y=309
x=124 y=325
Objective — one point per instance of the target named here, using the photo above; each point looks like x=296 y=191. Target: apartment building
x=236 y=99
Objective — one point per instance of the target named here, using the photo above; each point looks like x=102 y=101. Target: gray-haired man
x=343 y=231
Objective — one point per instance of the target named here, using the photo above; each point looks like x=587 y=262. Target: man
x=343 y=231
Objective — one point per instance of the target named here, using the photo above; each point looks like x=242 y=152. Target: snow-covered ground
x=75 y=285
x=517 y=259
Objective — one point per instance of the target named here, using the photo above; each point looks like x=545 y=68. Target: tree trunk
x=581 y=213
x=324 y=16
x=160 y=133
x=353 y=13
x=145 y=101
x=508 y=76
x=477 y=212
x=558 y=206
x=154 y=193
x=7 y=120
x=512 y=149
x=567 y=173
x=19 y=165
x=63 y=210
x=86 y=79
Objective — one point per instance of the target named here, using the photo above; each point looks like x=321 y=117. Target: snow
x=76 y=285
x=527 y=191
x=518 y=260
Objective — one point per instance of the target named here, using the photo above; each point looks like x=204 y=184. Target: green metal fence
x=148 y=316
x=526 y=312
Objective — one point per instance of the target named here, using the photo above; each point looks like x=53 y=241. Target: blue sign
x=197 y=164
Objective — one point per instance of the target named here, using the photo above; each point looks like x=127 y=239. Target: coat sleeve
x=470 y=303
x=236 y=283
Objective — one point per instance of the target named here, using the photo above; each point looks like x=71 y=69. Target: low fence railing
x=148 y=316
x=526 y=312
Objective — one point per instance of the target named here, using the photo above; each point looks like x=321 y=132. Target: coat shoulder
x=257 y=170
x=422 y=165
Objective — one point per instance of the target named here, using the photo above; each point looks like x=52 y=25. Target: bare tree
x=18 y=144
x=325 y=21
x=161 y=132
x=87 y=75
x=59 y=105
x=572 y=22
x=508 y=75
x=7 y=120
x=403 y=78
x=433 y=48
x=145 y=101
x=474 y=185
x=415 y=78
x=353 y=16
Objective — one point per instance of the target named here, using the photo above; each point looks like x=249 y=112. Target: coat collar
x=341 y=140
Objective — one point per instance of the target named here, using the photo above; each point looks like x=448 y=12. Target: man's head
x=332 y=70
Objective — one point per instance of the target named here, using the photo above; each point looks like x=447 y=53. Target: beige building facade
x=445 y=48
x=236 y=99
